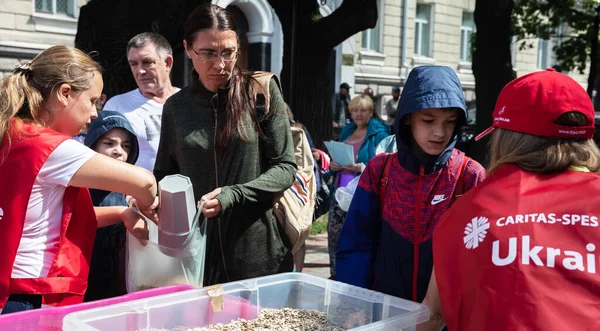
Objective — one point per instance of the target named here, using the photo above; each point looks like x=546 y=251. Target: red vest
x=521 y=252
x=67 y=279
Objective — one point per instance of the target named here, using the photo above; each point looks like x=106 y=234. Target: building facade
x=410 y=33
x=27 y=27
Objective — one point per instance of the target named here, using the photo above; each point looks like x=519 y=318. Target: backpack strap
x=459 y=190
x=384 y=180
x=262 y=99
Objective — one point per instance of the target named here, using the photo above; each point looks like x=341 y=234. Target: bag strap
x=384 y=180
x=459 y=190
x=262 y=100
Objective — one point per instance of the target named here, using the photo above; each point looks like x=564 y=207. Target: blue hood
x=428 y=87
x=106 y=121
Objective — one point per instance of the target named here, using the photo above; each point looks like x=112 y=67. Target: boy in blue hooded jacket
x=110 y=134
x=385 y=244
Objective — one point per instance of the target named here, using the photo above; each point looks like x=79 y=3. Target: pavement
x=316 y=261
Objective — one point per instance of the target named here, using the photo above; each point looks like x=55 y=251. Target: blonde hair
x=362 y=100
x=24 y=93
x=542 y=155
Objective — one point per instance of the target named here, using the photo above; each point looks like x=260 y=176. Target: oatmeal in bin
x=285 y=319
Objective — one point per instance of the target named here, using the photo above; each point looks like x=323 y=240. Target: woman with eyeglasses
x=237 y=151
x=364 y=133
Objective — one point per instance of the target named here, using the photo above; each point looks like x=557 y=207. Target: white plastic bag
x=343 y=195
x=154 y=265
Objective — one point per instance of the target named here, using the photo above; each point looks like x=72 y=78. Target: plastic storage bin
x=244 y=299
x=51 y=319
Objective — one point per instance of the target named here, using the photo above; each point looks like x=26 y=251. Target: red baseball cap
x=532 y=103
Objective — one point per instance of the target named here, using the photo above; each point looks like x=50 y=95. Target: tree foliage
x=570 y=22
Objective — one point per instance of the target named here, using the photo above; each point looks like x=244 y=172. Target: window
x=423 y=30
x=466 y=32
x=371 y=38
x=543 y=60
x=56 y=7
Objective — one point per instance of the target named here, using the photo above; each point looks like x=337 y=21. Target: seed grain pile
x=285 y=319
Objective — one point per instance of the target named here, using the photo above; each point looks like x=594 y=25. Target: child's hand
x=151 y=212
x=136 y=225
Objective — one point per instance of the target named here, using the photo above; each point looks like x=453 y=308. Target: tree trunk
x=596 y=99
x=309 y=40
x=593 y=53
x=492 y=65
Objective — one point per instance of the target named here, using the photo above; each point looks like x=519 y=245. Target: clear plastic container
x=244 y=299
x=51 y=319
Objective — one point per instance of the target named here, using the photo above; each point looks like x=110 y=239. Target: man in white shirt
x=150 y=58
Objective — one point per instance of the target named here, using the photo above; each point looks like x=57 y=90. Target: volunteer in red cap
x=520 y=251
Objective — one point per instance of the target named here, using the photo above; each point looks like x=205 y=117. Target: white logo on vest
x=475 y=232
x=534 y=255
x=1 y=213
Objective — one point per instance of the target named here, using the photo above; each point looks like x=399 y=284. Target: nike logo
x=437 y=199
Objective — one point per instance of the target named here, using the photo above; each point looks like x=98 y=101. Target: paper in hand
x=341 y=153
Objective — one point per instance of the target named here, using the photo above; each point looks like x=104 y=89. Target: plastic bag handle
x=198 y=214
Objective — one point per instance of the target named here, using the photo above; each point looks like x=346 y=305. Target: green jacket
x=250 y=174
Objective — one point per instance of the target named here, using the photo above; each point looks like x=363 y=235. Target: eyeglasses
x=209 y=56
